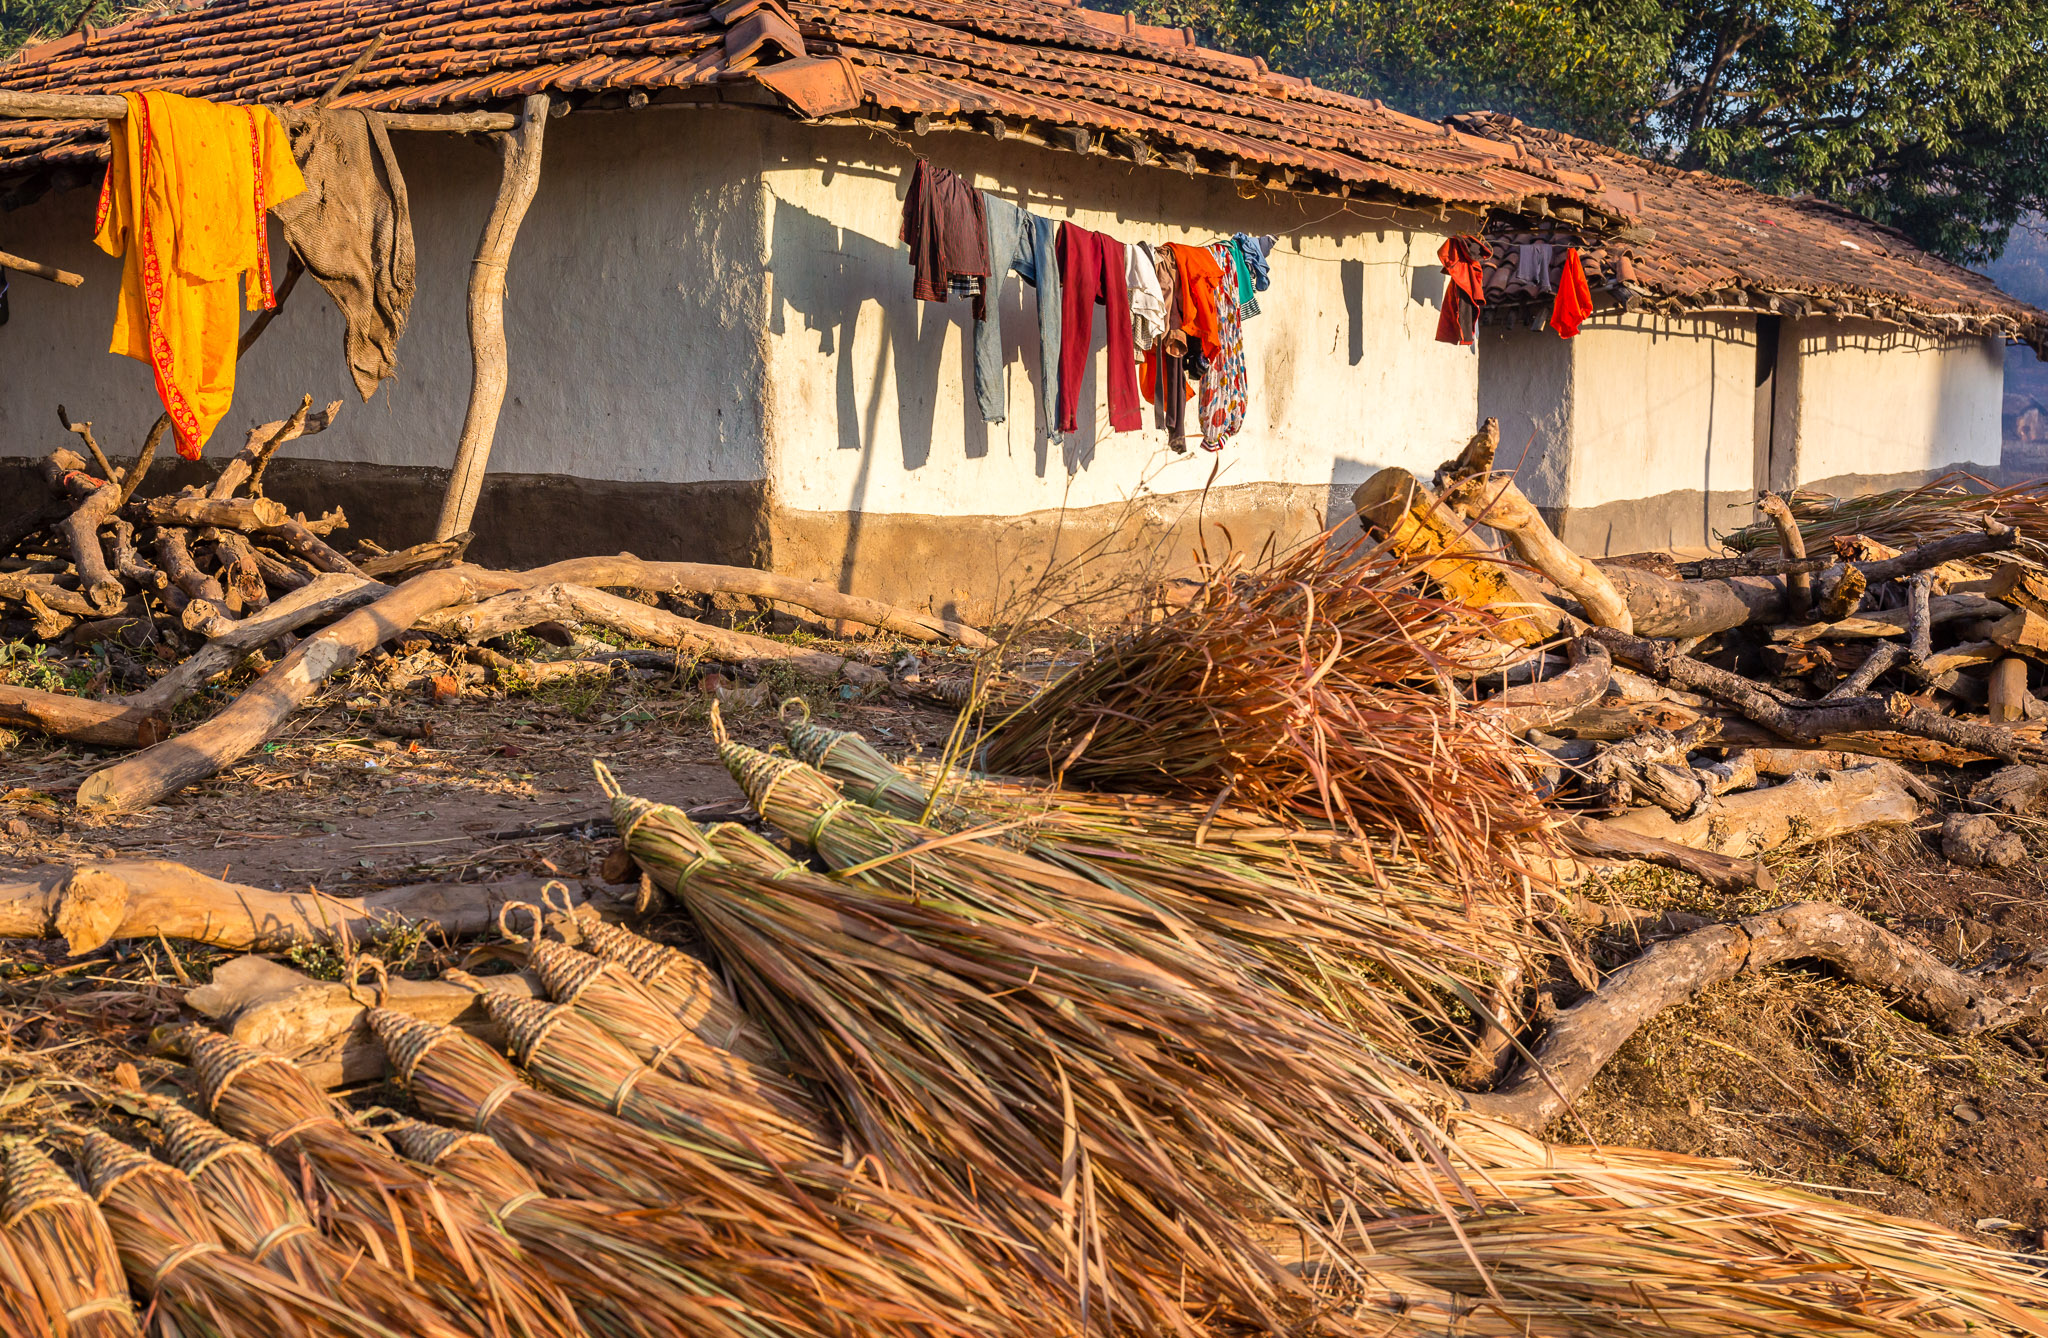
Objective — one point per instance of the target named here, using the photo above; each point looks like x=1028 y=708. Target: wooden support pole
x=521 y=148
x=41 y=271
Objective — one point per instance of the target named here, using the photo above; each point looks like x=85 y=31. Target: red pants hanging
x=1092 y=271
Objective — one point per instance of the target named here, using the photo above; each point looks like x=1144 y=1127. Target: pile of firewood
x=1737 y=705
x=185 y=586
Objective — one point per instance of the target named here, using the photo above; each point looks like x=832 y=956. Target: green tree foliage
x=1928 y=115
x=25 y=21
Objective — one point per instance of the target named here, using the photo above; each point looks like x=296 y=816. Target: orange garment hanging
x=184 y=201
x=1200 y=275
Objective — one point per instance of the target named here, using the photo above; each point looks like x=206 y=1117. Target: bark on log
x=1798 y=812
x=120 y=540
x=580 y=604
x=94 y=904
x=22 y=265
x=1609 y=721
x=1495 y=501
x=80 y=720
x=1873 y=667
x=521 y=149
x=2008 y=695
x=297 y=536
x=1662 y=607
x=207 y=611
x=263 y=442
x=18 y=586
x=1584 y=1037
x=81 y=533
x=1540 y=705
x=1591 y=839
x=420 y=557
x=251 y=515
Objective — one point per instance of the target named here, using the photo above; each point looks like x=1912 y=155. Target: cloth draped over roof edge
x=1698 y=241
x=1140 y=92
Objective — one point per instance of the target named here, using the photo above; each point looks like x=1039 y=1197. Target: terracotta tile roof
x=1700 y=240
x=1032 y=67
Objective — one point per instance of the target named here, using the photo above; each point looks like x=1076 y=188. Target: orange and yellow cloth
x=184 y=201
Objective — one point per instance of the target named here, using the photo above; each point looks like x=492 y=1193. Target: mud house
x=713 y=348
x=1739 y=341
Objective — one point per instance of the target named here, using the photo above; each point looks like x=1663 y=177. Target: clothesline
x=112 y=107
x=1174 y=313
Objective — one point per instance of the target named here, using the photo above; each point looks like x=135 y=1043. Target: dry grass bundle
x=197 y=1287
x=1624 y=1242
x=21 y=1306
x=366 y=1195
x=641 y=1021
x=1957 y=502
x=686 y=987
x=64 y=1247
x=1116 y=1122
x=1316 y=687
x=569 y=1054
x=580 y=1152
x=1392 y=957
x=633 y=1271
x=260 y=1217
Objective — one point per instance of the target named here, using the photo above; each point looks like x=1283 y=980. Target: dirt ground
x=1803 y=1077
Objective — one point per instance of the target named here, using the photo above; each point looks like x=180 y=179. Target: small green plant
x=398 y=945
x=26 y=664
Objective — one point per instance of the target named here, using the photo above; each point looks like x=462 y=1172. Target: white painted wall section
x=632 y=317
x=871 y=399
x=1874 y=400
x=1662 y=405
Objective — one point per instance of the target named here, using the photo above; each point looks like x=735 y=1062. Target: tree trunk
x=1799 y=812
x=79 y=720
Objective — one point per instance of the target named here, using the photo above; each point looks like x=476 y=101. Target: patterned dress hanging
x=1223 y=384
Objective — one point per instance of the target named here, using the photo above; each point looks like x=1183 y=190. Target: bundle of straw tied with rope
x=1159 y=1020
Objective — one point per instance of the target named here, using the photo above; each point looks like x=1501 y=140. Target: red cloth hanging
x=1574 y=299
x=1464 y=289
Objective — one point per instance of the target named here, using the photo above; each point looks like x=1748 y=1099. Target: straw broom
x=65 y=1248
x=1318 y=686
x=370 y=1198
x=568 y=1053
x=677 y=1276
x=1108 y=1117
x=21 y=1306
x=260 y=1217
x=633 y=1015
x=578 y=1152
x=197 y=1287
x=687 y=988
x=1391 y=956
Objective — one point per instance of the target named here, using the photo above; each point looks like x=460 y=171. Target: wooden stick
x=521 y=149
x=2008 y=699
x=1919 y=618
x=688 y=578
x=321 y=597
x=1539 y=705
x=559 y=602
x=1995 y=538
x=1798 y=583
x=1584 y=1037
x=1873 y=667
x=1601 y=840
x=1890 y=622
x=91 y=906
x=23 y=265
x=348 y=75
x=79 y=719
x=1798 y=812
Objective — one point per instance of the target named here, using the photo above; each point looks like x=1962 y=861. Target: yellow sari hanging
x=186 y=193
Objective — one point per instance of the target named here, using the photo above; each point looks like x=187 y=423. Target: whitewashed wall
x=1873 y=402
x=871 y=393
x=1632 y=434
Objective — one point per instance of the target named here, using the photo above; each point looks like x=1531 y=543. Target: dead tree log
x=1799 y=812
x=251 y=515
x=1395 y=504
x=579 y=604
x=81 y=533
x=79 y=719
x=1472 y=490
x=627 y=572
x=1798 y=582
x=1539 y=705
x=324 y=597
x=139 y=781
x=1605 y=841
x=1995 y=538
x=1584 y=1037
x=90 y=906
x=1818 y=721
x=1890 y=622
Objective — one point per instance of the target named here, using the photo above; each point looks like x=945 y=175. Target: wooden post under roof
x=521 y=148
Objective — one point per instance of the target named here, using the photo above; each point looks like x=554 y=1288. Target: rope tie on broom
x=180 y=1257
x=625 y=1090
x=291 y=1131
x=488 y=1107
x=516 y=1202
x=289 y=1231
x=106 y=1305
x=199 y=1167
x=825 y=818
x=505 y=928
